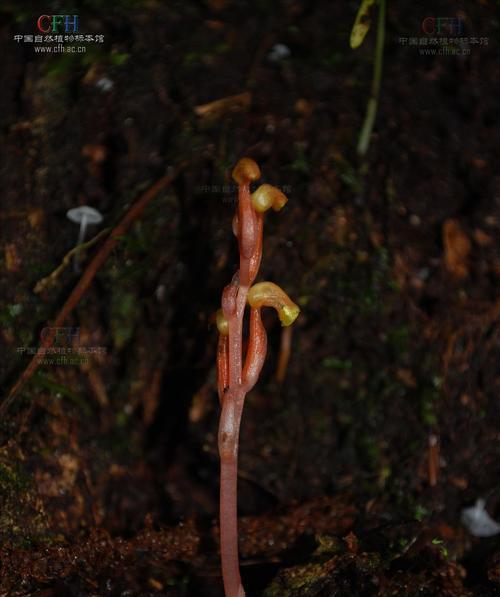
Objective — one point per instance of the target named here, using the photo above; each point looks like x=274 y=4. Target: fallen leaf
x=35 y=218
x=95 y=152
x=12 y=259
x=457 y=247
x=351 y=542
x=220 y=107
x=407 y=377
x=482 y=239
x=218 y=5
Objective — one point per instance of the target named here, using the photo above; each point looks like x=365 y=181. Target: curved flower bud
x=246 y=171
x=267 y=196
x=257 y=349
x=268 y=294
x=222 y=323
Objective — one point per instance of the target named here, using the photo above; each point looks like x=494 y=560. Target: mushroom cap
x=76 y=214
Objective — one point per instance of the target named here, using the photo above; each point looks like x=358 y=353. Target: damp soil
x=357 y=461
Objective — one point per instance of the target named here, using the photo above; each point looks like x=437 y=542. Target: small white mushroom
x=83 y=215
x=478 y=522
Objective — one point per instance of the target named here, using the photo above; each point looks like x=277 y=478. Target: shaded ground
x=108 y=469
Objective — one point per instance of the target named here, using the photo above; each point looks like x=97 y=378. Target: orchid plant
x=237 y=374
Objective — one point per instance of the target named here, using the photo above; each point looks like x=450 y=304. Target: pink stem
x=234 y=300
x=222 y=366
x=228 y=448
x=256 y=352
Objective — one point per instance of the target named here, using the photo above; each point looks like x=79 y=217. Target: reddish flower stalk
x=236 y=378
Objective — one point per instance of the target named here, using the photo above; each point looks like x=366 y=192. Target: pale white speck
x=104 y=84
x=423 y=273
x=279 y=52
x=160 y=293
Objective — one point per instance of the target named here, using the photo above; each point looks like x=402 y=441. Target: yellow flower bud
x=267 y=196
x=246 y=171
x=222 y=323
x=267 y=294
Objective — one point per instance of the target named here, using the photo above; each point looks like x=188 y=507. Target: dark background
x=109 y=469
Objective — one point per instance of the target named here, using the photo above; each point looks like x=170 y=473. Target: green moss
x=398 y=339
x=118 y=58
x=429 y=398
x=301 y=163
x=11 y=480
x=46 y=382
x=16 y=10
x=349 y=175
x=441 y=545
x=344 y=573
x=9 y=314
x=328 y=545
x=124 y=316
x=297 y=581
x=21 y=520
x=332 y=60
x=369 y=452
x=420 y=512
x=337 y=364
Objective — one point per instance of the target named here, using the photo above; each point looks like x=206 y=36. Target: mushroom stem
x=83 y=215
x=81 y=238
x=83 y=229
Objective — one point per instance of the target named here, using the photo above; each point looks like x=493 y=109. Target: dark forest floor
x=109 y=469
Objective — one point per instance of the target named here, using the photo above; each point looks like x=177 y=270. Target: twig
x=220 y=107
x=433 y=460
x=371 y=110
x=51 y=278
x=88 y=275
x=284 y=356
